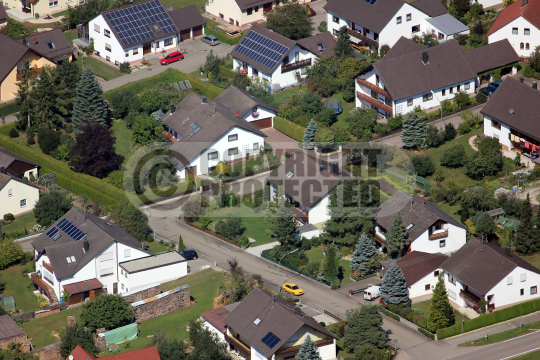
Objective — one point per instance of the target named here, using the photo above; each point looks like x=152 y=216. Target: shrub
x=461 y=99
x=423 y=165
x=462 y=39
x=447 y=106
x=389 y=314
x=13 y=133
x=69 y=128
x=463 y=129
x=480 y=97
x=9 y=217
x=454 y=156
x=322 y=27
x=125 y=68
x=450 y=132
x=30 y=139
x=427 y=333
x=48 y=140
x=528 y=71
x=334 y=328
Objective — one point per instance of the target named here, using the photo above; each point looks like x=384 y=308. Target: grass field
x=12 y=283
x=70 y=34
x=535 y=355
x=156 y=248
x=26 y=221
x=533 y=259
x=101 y=69
x=46 y=330
x=450 y=209
x=315 y=254
x=124 y=144
x=256 y=227
x=505 y=335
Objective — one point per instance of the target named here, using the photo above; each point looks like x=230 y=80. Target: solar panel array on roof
x=261 y=49
x=371 y=2
x=132 y=24
x=270 y=340
x=53 y=231
x=70 y=229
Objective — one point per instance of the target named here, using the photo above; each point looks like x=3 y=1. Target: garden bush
x=13 y=133
x=334 y=328
x=390 y=314
x=463 y=129
x=30 y=139
x=480 y=97
x=454 y=156
x=9 y=217
x=461 y=99
x=125 y=68
x=48 y=140
x=423 y=165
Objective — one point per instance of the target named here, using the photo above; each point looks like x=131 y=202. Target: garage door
x=197 y=31
x=185 y=34
x=263 y=123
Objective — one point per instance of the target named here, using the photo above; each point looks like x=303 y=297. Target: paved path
x=257 y=250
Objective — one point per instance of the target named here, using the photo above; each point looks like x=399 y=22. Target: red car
x=172 y=57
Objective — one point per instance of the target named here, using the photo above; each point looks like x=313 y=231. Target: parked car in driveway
x=493 y=86
x=210 y=40
x=189 y=254
x=172 y=57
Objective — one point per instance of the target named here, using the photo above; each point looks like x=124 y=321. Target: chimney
x=429 y=44
x=524 y=2
x=507 y=251
x=237 y=114
x=204 y=100
x=421 y=198
x=86 y=245
x=534 y=85
x=335 y=168
x=173 y=108
x=521 y=80
x=425 y=57
x=321 y=166
x=143 y=247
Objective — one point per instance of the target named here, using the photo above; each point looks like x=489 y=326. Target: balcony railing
x=374 y=87
x=293 y=350
x=375 y=103
x=295 y=65
x=238 y=346
x=364 y=40
x=439 y=235
x=33 y=73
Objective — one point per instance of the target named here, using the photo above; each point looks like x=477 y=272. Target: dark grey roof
x=39 y=43
x=3 y=13
x=214 y=123
x=187 y=17
x=422 y=216
x=150 y=262
x=246 y=4
x=403 y=46
x=491 y=56
x=308 y=184
x=277 y=316
x=525 y=102
x=9 y=328
x=447 y=24
x=311 y=43
x=7 y=158
x=4 y=179
x=99 y=233
x=241 y=100
x=305 y=228
x=417 y=264
x=12 y=52
x=482 y=266
x=407 y=75
x=432 y=8
x=280 y=39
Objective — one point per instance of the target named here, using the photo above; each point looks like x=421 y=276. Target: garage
x=263 y=123
x=185 y=34
x=198 y=31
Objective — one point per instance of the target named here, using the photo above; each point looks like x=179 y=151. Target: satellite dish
x=511 y=111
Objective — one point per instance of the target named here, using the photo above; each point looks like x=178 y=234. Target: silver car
x=210 y=40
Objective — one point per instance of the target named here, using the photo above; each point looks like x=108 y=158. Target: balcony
x=375 y=103
x=294 y=350
x=373 y=87
x=33 y=73
x=439 y=235
x=471 y=300
x=238 y=346
x=381 y=240
x=295 y=65
x=364 y=40
x=46 y=287
x=301 y=215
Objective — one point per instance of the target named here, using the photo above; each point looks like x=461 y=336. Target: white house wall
x=319 y=212
x=263 y=114
x=453 y=290
x=489 y=3
x=333 y=26
x=211 y=327
x=457 y=237
x=419 y=288
x=515 y=40
x=391 y=33
x=505 y=294
x=328 y=352
x=87 y=272
x=137 y=280
x=19 y=191
x=133 y=254
x=503 y=134
x=228 y=8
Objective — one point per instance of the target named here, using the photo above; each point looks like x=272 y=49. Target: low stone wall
x=162 y=304
x=144 y=293
x=47 y=313
x=4 y=343
x=49 y=352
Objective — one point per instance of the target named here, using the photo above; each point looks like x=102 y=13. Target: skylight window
x=51 y=45
x=257 y=321
x=289 y=175
x=70 y=259
x=410 y=226
x=196 y=128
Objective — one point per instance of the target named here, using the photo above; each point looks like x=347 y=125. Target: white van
x=372 y=292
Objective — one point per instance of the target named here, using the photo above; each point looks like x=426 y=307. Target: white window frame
x=509 y=280
x=108 y=47
x=23 y=203
x=398 y=20
x=526 y=31
x=135 y=51
x=106 y=272
x=168 y=42
x=255 y=146
x=535 y=290
x=127 y=253
x=408 y=17
x=97 y=28
x=10 y=192
x=523 y=277
x=410 y=102
x=232 y=137
x=106 y=257
x=53 y=3
x=515 y=31
x=467 y=86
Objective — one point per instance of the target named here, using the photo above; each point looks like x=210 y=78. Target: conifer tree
x=89 y=103
x=525 y=234
x=394 y=288
x=343 y=44
x=398 y=238
x=181 y=246
x=24 y=95
x=309 y=136
x=308 y=350
x=283 y=227
x=364 y=327
x=441 y=314
x=464 y=213
x=331 y=266
x=46 y=111
x=363 y=253
x=414 y=130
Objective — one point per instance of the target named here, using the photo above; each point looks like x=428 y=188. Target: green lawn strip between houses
x=424 y=306
x=25 y=221
x=315 y=254
x=156 y=248
x=16 y=285
x=533 y=259
x=100 y=68
x=505 y=335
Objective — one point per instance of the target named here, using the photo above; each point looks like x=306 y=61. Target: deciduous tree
x=290 y=20
x=454 y=156
x=107 y=310
x=131 y=219
x=77 y=335
x=206 y=343
x=51 y=207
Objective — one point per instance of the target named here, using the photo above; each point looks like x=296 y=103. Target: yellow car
x=292 y=288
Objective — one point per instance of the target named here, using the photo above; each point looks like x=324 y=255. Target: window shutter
x=106 y=256
x=96 y=27
x=104 y=272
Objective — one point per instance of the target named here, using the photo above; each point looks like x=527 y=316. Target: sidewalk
x=257 y=250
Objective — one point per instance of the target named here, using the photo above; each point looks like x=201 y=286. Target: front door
x=115 y=288
x=92 y=294
x=147 y=48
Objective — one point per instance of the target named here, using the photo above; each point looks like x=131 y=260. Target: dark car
x=493 y=86
x=485 y=91
x=172 y=57
x=189 y=254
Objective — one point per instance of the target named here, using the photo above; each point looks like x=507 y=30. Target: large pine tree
x=364 y=326
x=89 y=104
x=525 y=233
x=24 y=100
x=308 y=350
x=309 y=136
x=343 y=44
x=46 y=110
x=398 y=238
x=363 y=253
x=331 y=266
x=441 y=314
x=414 y=130
x=284 y=227
x=394 y=288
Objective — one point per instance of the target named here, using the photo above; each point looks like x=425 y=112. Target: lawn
x=46 y=330
x=156 y=248
x=101 y=69
x=256 y=227
x=315 y=254
x=530 y=356
x=533 y=259
x=502 y=336
x=284 y=95
x=124 y=144
x=26 y=221
x=12 y=283
x=424 y=306
x=450 y=209
x=346 y=108
x=70 y=34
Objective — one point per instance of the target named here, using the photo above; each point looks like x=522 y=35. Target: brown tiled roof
x=187 y=17
x=417 y=264
x=482 y=266
x=523 y=99
x=530 y=12
x=272 y=36
x=430 y=7
x=412 y=211
x=241 y=100
x=311 y=43
x=61 y=44
x=491 y=56
x=216 y=316
x=246 y=4
x=12 y=53
x=7 y=158
x=9 y=328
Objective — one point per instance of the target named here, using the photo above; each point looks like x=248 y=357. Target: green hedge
x=224 y=38
x=9 y=108
x=225 y=71
x=390 y=314
x=289 y=128
x=490 y=319
x=80 y=184
x=427 y=333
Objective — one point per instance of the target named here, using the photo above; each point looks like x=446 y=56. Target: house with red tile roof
x=150 y=353
x=520 y=24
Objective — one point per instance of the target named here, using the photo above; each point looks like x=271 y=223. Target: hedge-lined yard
x=289 y=128
x=8 y=108
x=222 y=37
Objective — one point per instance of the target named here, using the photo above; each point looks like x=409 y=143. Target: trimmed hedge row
x=222 y=37
x=80 y=184
x=289 y=128
x=390 y=314
x=8 y=109
x=491 y=318
x=427 y=333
